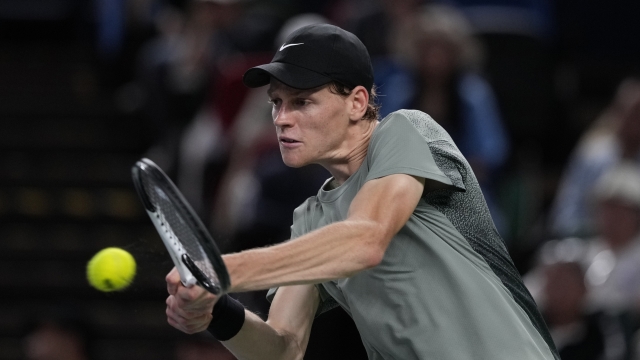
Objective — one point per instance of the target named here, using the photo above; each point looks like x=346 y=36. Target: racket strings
x=177 y=228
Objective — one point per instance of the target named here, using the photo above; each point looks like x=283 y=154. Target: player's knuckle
x=175 y=324
x=174 y=317
x=172 y=313
x=197 y=305
x=175 y=306
x=184 y=323
x=170 y=278
x=185 y=295
x=182 y=299
x=189 y=315
x=196 y=327
x=195 y=293
x=171 y=289
x=182 y=317
x=189 y=296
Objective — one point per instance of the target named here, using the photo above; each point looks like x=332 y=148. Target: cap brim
x=291 y=75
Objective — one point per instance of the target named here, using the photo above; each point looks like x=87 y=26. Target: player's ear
x=358 y=102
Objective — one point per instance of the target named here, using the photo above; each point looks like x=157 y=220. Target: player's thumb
x=173 y=281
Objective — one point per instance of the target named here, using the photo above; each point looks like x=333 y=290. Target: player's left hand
x=188 y=309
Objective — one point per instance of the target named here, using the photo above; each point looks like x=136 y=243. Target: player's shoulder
x=404 y=116
x=404 y=120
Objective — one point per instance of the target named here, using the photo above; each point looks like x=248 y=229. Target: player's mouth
x=289 y=142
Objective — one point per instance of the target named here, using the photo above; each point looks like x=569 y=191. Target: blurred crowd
x=555 y=146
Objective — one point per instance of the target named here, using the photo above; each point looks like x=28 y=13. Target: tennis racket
x=188 y=242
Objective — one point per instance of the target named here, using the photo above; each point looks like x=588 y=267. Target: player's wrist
x=227 y=318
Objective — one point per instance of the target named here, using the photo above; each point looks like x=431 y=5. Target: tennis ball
x=111 y=269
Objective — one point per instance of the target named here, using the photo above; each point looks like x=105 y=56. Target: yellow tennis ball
x=111 y=269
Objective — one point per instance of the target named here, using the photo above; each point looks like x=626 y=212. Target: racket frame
x=190 y=274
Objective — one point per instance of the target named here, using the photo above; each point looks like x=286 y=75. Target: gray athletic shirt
x=446 y=287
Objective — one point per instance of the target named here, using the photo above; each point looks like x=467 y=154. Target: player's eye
x=301 y=102
x=275 y=102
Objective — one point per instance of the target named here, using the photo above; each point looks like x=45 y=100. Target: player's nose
x=282 y=117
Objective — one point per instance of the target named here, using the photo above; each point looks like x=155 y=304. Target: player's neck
x=351 y=159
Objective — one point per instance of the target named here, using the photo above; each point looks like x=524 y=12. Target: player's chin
x=294 y=164
x=293 y=161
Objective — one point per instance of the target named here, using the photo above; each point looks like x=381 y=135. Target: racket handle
x=187 y=279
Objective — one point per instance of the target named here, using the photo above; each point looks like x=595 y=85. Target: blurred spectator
x=518 y=37
x=57 y=338
x=451 y=90
x=533 y=18
x=110 y=21
x=174 y=71
x=614 y=136
x=579 y=334
x=191 y=75
x=614 y=254
x=609 y=289
x=120 y=27
x=592 y=49
x=386 y=32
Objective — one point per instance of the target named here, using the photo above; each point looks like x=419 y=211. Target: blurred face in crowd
x=51 y=342
x=212 y=15
x=629 y=132
x=564 y=292
x=438 y=56
x=618 y=221
x=400 y=9
x=312 y=125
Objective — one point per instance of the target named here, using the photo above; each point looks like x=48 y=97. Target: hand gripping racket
x=190 y=245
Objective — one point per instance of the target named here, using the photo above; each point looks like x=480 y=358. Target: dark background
x=70 y=132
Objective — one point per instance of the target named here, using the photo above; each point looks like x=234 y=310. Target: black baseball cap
x=315 y=55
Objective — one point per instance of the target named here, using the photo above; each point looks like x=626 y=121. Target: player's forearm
x=335 y=251
x=258 y=340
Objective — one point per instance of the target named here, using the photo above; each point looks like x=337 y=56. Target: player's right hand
x=188 y=309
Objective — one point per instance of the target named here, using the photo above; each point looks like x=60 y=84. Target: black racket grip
x=197 y=273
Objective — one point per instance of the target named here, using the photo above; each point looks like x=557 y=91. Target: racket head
x=190 y=245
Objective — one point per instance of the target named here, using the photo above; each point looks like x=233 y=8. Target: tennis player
x=400 y=236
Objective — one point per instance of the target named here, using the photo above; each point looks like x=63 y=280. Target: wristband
x=228 y=318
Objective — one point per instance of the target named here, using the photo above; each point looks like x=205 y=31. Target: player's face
x=311 y=125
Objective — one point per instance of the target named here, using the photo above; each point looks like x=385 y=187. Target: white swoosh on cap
x=286 y=46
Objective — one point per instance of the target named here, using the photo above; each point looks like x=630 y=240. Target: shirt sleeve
x=398 y=148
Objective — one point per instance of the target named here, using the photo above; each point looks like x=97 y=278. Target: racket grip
x=187 y=279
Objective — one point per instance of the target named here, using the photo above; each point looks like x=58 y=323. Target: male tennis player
x=399 y=236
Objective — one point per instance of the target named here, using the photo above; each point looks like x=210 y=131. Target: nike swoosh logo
x=286 y=46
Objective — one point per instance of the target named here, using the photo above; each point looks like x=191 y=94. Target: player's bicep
x=387 y=202
x=292 y=312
